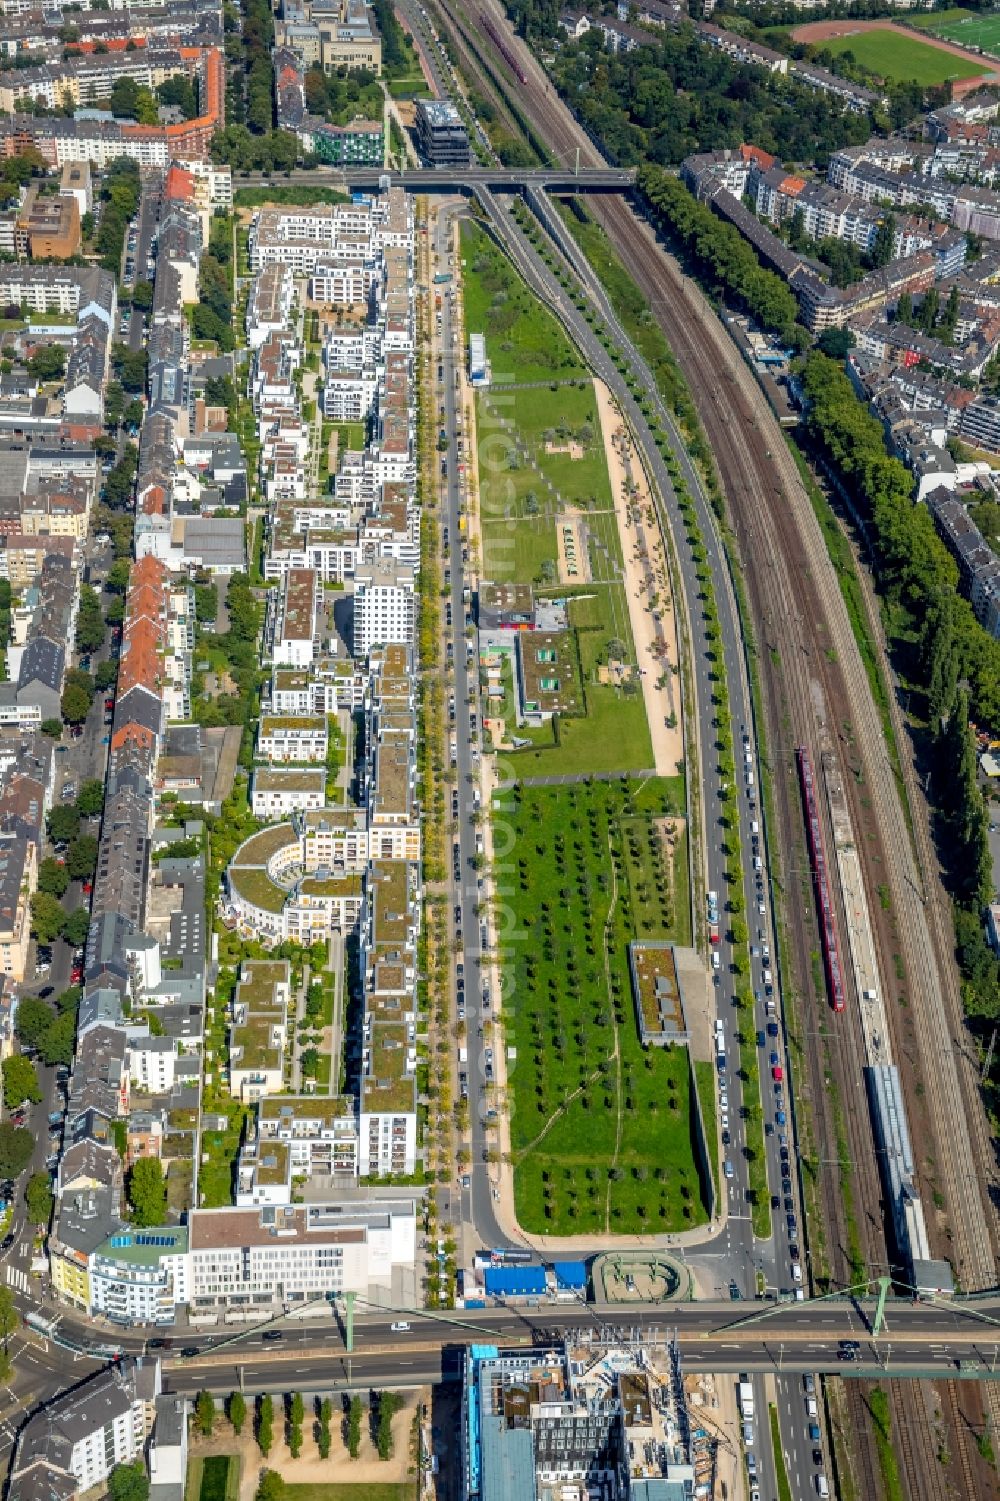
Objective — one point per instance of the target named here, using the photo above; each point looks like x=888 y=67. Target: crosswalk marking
x=16 y=1278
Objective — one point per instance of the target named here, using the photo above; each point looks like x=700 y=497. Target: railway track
x=794 y=665
x=768 y=506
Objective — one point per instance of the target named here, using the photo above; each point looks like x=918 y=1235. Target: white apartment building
x=328 y=686
x=269 y=306
x=295 y=636
x=285 y=739
x=347 y=283
x=320 y=1131
x=252 y=1262
x=332 y=554
x=384 y=606
x=140 y=1276
x=102 y=1424
x=280 y=791
x=349 y=395
x=153 y=1064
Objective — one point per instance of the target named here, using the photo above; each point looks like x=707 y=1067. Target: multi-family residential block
x=292 y=738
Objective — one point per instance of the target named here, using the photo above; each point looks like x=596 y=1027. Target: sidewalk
x=645 y=579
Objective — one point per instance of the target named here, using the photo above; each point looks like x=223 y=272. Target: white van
x=797 y=1277
x=755 y=828
x=758 y=863
x=822 y=1489
x=715 y=960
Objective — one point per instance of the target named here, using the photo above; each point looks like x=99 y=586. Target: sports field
x=894 y=56
x=969 y=28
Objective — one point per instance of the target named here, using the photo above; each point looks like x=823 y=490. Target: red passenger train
x=502 y=47
x=821 y=881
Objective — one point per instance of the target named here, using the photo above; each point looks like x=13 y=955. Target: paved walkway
x=577 y=776
x=299 y=1011
x=334 y=1035
x=647 y=589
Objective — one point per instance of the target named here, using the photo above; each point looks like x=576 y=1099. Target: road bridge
x=449 y=180
x=918 y=1340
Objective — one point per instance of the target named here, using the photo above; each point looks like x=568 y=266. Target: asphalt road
x=477 y=1200
x=146 y=228
x=734 y=1256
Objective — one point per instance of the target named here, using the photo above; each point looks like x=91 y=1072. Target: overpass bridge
x=920 y=1339
x=450 y=179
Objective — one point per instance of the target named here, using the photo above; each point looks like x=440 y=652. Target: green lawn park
x=581 y=869
x=524 y=342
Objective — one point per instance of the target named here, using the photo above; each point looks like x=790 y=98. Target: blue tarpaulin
x=515 y=1281
x=571 y=1275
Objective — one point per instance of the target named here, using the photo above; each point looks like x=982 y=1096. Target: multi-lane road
x=917 y=1339
x=462 y=695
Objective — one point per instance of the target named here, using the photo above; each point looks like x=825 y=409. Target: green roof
x=256 y=887
x=254 y=1041
x=145 y=1247
x=386 y=1085
x=342 y=886
x=272 y=1162
x=259 y=848
x=312 y=1107
x=258 y=981
x=272 y=722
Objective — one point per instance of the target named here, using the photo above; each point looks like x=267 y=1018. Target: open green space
x=213 y=1477
x=541 y=451
x=902 y=58
x=521 y=548
x=524 y=342
x=658 y=882
x=369 y=1490
x=414 y=86
x=603 y=1131
x=978 y=29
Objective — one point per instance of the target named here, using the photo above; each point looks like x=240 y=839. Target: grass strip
x=847 y=1190
x=781 y=1474
x=704 y=1075
x=842 y=558
x=878 y=1406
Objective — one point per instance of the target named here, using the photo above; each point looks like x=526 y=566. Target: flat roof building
x=442 y=139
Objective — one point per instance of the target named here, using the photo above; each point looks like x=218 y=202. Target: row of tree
x=212 y=317
x=48 y=1031
x=947 y=653
x=718 y=252
x=120 y=190
x=384 y=1407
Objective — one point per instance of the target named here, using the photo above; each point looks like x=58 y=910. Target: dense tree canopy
x=662 y=102
x=718 y=251
x=147 y=1191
